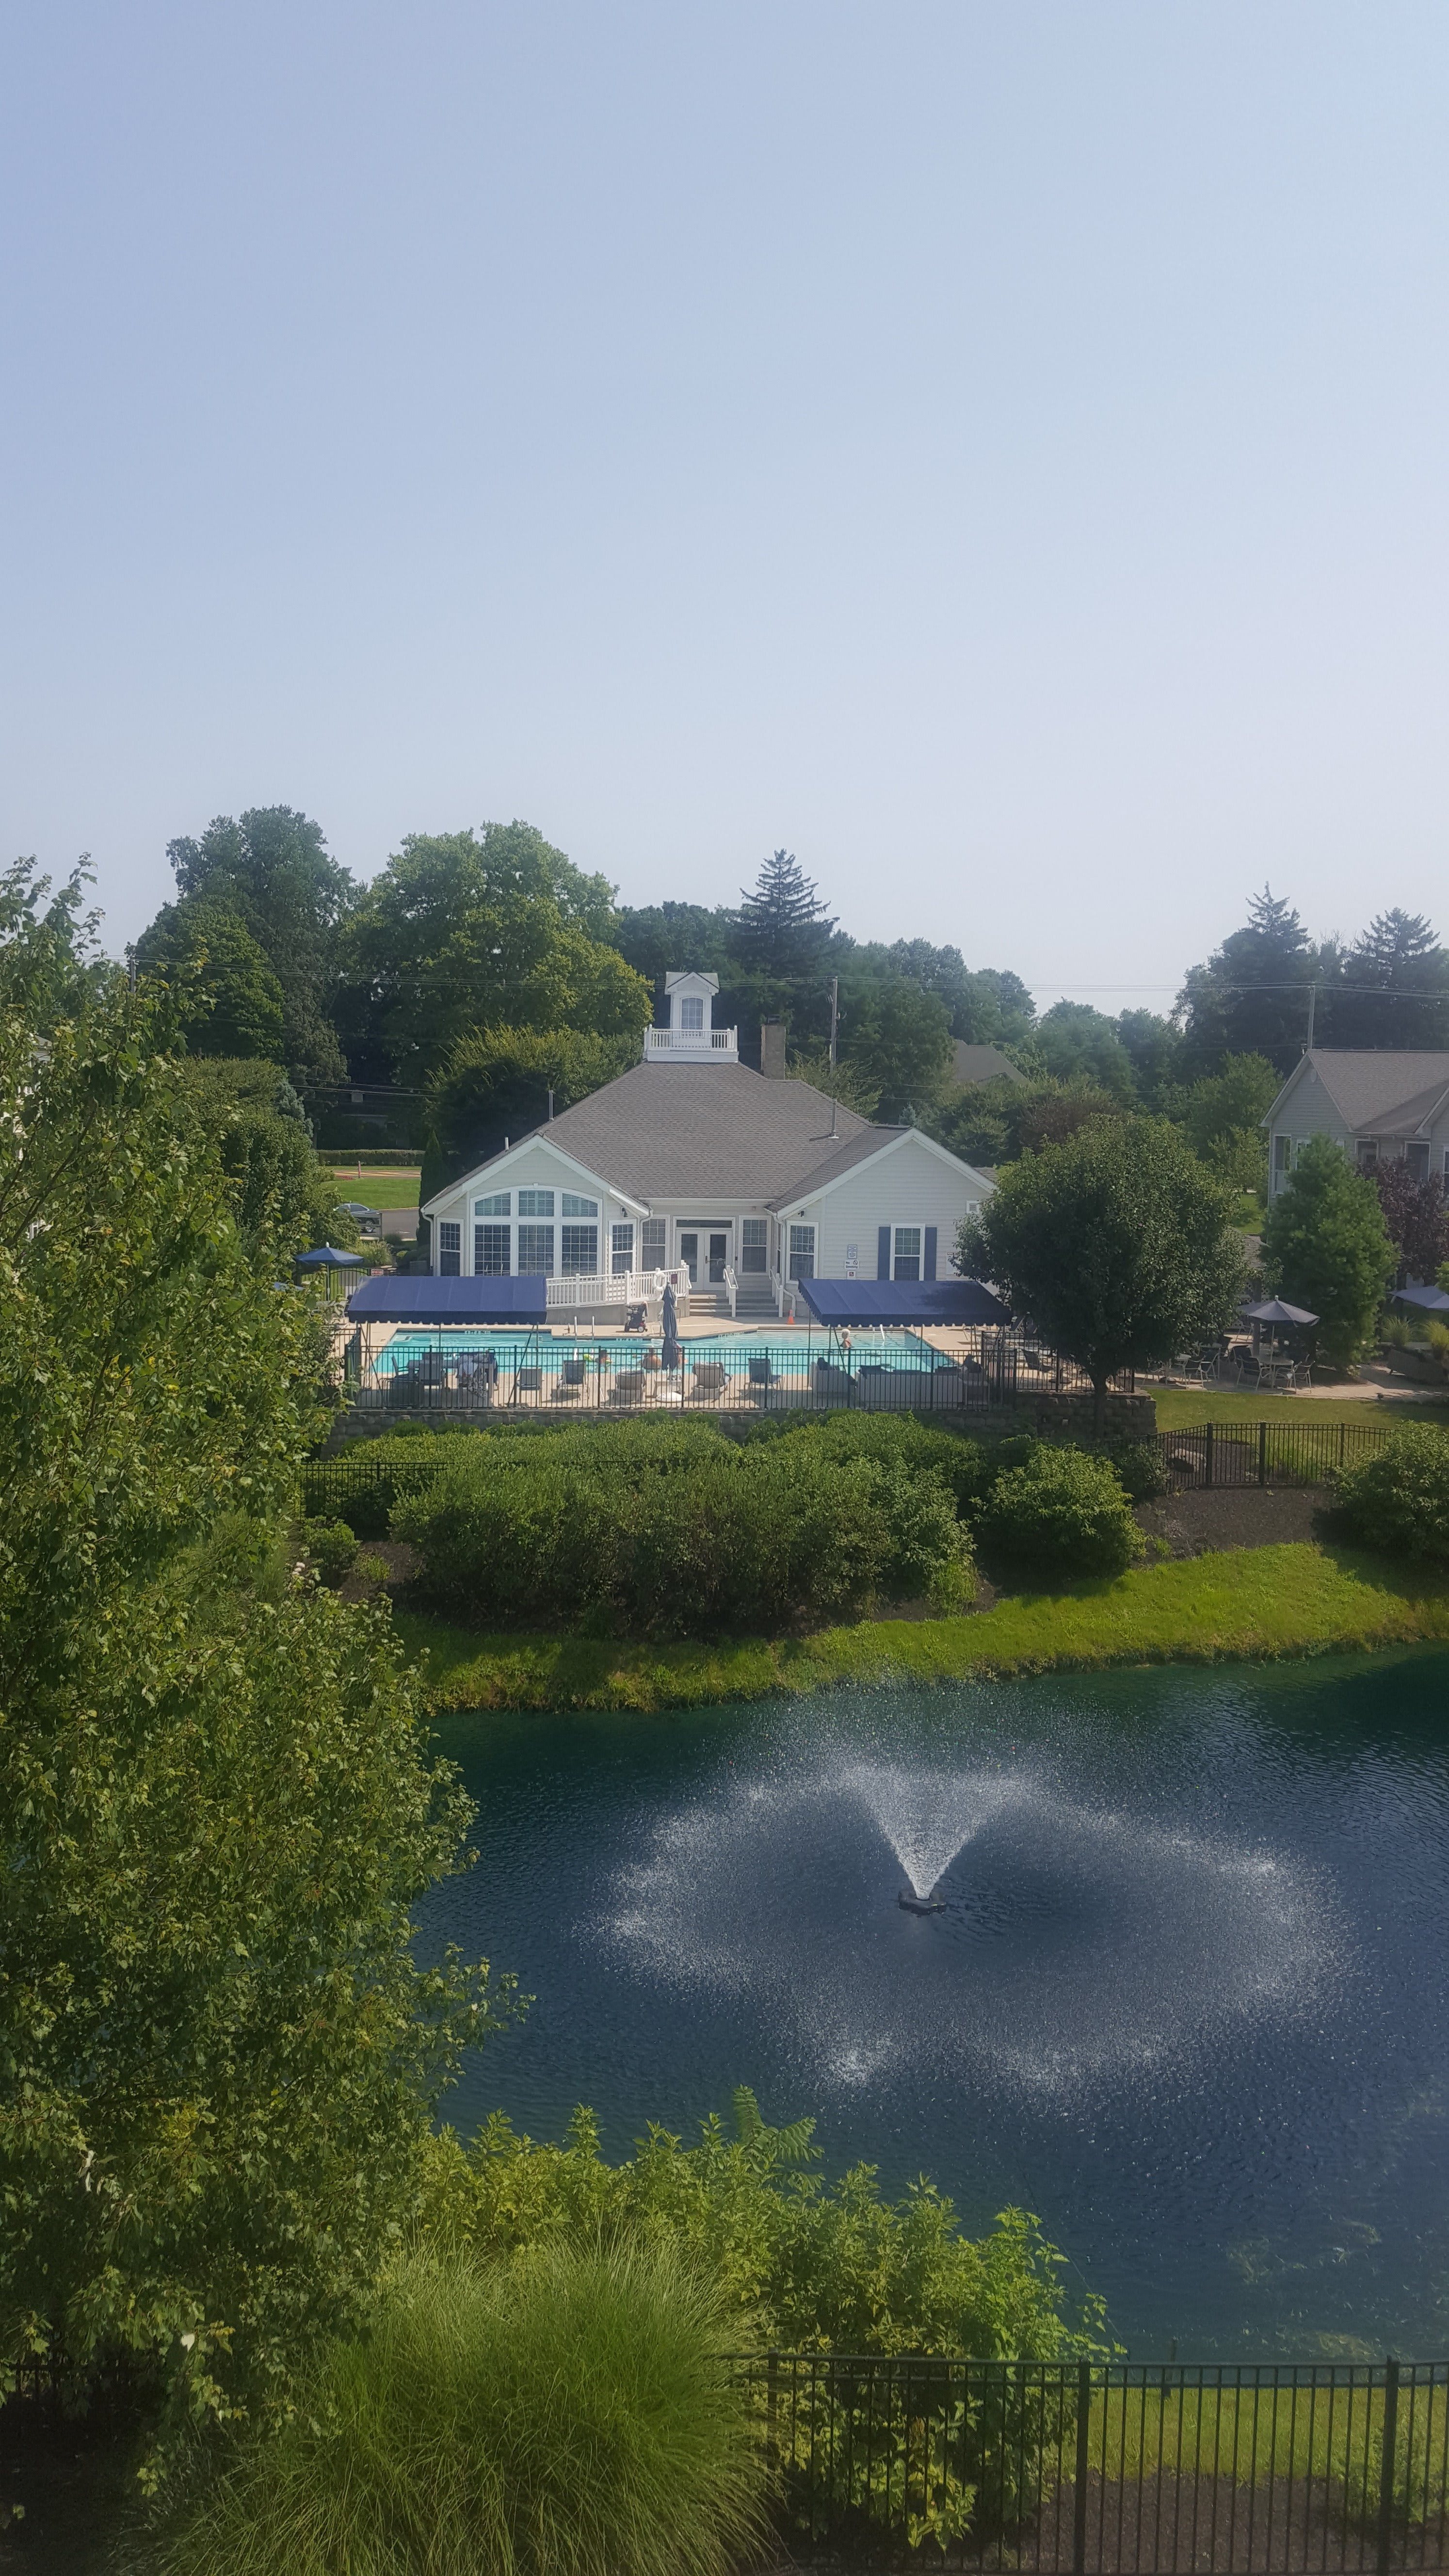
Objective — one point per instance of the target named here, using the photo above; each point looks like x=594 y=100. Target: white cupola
x=691 y=1037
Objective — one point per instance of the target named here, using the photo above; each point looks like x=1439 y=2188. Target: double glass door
x=707 y=1245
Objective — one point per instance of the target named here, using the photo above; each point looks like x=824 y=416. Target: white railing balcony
x=623 y=1288
x=692 y=1046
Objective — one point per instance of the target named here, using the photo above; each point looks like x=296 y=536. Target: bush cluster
x=331 y=1548
x=1063 y=1512
x=670 y=1529
x=1399 y=1500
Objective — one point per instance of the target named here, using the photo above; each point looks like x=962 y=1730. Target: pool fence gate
x=1107 y=2468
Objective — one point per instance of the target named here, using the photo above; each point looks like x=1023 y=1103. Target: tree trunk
x=1099 y=1405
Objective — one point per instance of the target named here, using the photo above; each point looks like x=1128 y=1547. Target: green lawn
x=1180 y=1406
x=378 y=1189
x=1269 y=1601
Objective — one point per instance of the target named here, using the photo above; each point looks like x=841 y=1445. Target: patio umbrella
x=1274 y=1311
x=673 y=1355
x=329 y=1258
x=1430 y=1301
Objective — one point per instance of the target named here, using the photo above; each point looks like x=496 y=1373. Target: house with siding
x=1379 y=1104
x=741 y=1183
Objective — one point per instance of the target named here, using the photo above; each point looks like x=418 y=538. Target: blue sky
x=996 y=451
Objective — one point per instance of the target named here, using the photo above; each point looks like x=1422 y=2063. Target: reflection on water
x=1184 y=1996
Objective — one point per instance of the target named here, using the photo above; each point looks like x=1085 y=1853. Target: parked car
x=368 y=1221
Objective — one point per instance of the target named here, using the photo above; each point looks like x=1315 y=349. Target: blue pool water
x=789 y=1352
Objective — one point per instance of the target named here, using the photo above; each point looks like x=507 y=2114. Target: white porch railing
x=702 y=1044
x=627 y=1288
x=732 y=1291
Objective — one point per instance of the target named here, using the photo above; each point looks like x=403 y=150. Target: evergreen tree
x=782 y=928
x=1326 y=1248
x=1251 y=998
x=1399 y=959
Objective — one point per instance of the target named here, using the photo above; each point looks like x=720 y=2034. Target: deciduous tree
x=1326 y=1248
x=229 y=1002
x=1115 y=1243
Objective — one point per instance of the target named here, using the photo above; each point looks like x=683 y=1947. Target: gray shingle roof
x=710 y=1131
x=984 y=1064
x=1384 y=1091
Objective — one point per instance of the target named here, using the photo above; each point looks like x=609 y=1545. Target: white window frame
x=491 y=1225
x=570 y=1265
x=579 y=1211
x=653 y=1256
x=801 y=1226
x=621 y=1247
x=450 y=1251
x=691 y=1015
x=490 y=1211
x=536 y=1205
x=919 y=1232
x=534 y=1226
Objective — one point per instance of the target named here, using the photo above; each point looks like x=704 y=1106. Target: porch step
x=754 y=1303
x=710 y=1301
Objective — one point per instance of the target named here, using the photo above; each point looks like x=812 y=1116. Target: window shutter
x=883 y=1253
x=928 y=1269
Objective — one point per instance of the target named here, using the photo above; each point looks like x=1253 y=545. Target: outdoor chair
x=530 y=1381
x=628 y=1387
x=710 y=1378
x=570 y=1386
x=761 y=1373
x=403 y=1389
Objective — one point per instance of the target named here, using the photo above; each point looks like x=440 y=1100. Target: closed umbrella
x=673 y=1355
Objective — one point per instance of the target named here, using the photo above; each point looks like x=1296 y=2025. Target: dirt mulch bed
x=1237 y=1516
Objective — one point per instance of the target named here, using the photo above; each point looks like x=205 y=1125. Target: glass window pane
x=908 y=1252
x=501 y=1204
x=580 y=1253
x=802 y=1252
x=651 y=1242
x=691 y=1013
x=754 y=1243
x=450 y=1250
x=535 y=1202
x=573 y=1206
x=490 y=1251
x=621 y=1249
x=535 y=1250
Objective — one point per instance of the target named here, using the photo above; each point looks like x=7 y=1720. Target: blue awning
x=387 y=1299
x=901 y=1301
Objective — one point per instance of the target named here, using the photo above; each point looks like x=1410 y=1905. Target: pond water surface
x=1186 y=1997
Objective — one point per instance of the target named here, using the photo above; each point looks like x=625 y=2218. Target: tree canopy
x=216 y=1806
x=495 y=1084
x=271 y=867
x=1326 y=1248
x=229 y=1002
x=1116 y=1244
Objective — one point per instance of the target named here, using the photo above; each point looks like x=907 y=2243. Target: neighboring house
x=692 y=1161
x=984 y=1064
x=1381 y=1105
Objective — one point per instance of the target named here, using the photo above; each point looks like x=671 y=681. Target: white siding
x=1307 y=1111
x=532 y=1167
x=909 y=1186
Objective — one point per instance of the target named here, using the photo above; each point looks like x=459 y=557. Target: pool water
x=1187 y=1999
x=789 y=1352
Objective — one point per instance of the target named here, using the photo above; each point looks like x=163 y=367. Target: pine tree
x=781 y=929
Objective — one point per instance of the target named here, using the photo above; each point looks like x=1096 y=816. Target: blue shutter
x=928 y=1267
x=883 y=1253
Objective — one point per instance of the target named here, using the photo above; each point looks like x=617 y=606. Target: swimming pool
x=790 y=1353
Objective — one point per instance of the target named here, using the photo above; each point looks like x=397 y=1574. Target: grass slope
x=1179 y=1407
x=1266 y=1601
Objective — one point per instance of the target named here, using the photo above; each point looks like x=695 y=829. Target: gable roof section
x=1383 y=1091
x=985 y=1064
x=499 y=1164
x=864 y=1149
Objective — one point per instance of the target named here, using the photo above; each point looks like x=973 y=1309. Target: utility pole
x=834 y=1028
x=1312 y=998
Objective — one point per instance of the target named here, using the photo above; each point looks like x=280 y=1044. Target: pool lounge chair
x=710 y=1378
x=628 y=1387
x=571 y=1385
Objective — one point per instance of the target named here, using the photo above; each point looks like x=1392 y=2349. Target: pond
x=1185 y=1995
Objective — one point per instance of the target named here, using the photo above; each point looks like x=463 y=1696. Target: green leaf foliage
x=575 y=2416
x=1327 y=1249
x=269 y=868
x=217 y=2055
x=668 y=1529
x=1062 y=1513
x=1115 y=1243
x=229 y=1000
x=495 y=1083
x=1398 y=1501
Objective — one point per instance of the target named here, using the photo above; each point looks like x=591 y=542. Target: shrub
x=1399 y=1500
x=1395 y=1332
x=1138 y=1467
x=571 y=2416
x=1064 y=1513
x=671 y=1529
x=331 y=1548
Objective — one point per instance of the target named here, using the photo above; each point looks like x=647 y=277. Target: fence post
x=1387 y=2447
x=1079 y=2486
x=1207 y=1455
x=1262 y=1453
x=772 y=2389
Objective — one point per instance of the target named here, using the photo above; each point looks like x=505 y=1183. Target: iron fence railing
x=1117 y=2469
x=1266 y=1453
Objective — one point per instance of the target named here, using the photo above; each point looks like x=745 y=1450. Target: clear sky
x=998 y=452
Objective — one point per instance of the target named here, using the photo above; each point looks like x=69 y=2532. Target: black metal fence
x=1118 y=2469
x=1266 y=1453
x=453 y=1375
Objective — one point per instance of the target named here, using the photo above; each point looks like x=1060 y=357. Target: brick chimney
x=772 y=1049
